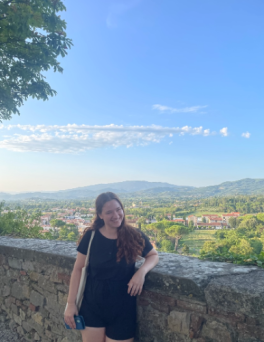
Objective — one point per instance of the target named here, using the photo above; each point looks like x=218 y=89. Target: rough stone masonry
x=184 y=299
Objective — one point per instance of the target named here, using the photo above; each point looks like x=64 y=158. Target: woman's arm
x=136 y=283
x=71 y=309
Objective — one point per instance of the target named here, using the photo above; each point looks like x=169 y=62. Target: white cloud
x=74 y=138
x=246 y=135
x=192 y=109
x=224 y=132
x=206 y=132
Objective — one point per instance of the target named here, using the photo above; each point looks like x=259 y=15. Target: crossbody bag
x=84 y=276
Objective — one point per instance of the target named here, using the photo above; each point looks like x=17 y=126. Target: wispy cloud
x=117 y=9
x=224 y=132
x=192 y=109
x=246 y=135
x=74 y=138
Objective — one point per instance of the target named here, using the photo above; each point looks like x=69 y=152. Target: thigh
x=123 y=327
x=93 y=334
x=107 y=339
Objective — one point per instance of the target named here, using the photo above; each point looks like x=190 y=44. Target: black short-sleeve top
x=102 y=261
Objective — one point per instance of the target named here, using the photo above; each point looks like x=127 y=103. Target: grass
x=196 y=239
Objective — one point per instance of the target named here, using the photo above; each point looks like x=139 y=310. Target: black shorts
x=107 y=304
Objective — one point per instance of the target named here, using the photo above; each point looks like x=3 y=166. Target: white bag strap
x=79 y=296
x=88 y=250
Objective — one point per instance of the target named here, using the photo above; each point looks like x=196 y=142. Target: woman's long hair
x=130 y=243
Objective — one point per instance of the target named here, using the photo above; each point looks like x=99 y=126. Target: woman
x=109 y=303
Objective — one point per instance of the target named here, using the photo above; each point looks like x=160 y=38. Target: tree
x=185 y=249
x=191 y=225
x=260 y=217
x=166 y=246
x=256 y=244
x=243 y=248
x=32 y=38
x=19 y=224
x=68 y=232
x=71 y=236
x=176 y=232
x=57 y=223
x=204 y=220
x=232 y=222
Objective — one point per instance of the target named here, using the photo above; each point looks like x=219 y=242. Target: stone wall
x=184 y=299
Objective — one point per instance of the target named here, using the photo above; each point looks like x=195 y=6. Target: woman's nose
x=115 y=215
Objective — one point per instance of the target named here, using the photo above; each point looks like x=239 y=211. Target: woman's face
x=112 y=214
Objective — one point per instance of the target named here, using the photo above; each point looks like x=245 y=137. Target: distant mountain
x=92 y=191
x=142 y=189
x=245 y=186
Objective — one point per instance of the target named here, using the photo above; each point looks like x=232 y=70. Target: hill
x=245 y=186
x=127 y=187
x=144 y=189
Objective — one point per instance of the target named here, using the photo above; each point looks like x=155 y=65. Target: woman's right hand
x=69 y=313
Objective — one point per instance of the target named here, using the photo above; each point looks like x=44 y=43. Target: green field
x=196 y=239
x=206 y=212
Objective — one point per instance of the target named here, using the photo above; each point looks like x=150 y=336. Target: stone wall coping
x=174 y=274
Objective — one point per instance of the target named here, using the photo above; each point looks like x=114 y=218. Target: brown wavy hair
x=130 y=242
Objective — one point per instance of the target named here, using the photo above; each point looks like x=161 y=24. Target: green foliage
x=177 y=231
x=185 y=249
x=256 y=260
x=232 y=222
x=242 y=248
x=57 y=223
x=260 y=218
x=166 y=246
x=32 y=37
x=191 y=225
x=68 y=233
x=19 y=224
x=243 y=245
x=256 y=244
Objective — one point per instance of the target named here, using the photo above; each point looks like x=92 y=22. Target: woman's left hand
x=136 y=283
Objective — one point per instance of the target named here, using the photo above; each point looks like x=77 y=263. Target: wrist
x=142 y=270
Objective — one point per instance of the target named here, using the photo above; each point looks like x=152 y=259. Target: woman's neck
x=109 y=232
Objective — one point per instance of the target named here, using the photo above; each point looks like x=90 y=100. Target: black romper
x=106 y=302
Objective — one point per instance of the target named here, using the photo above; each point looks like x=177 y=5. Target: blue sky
x=151 y=90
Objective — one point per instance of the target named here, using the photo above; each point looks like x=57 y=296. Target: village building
x=226 y=217
x=208 y=225
x=192 y=218
x=179 y=220
x=45 y=219
x=209 y=217
x=215 y=220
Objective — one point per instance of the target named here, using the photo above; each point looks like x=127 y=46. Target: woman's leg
x=107 y=339
x=93 y=334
